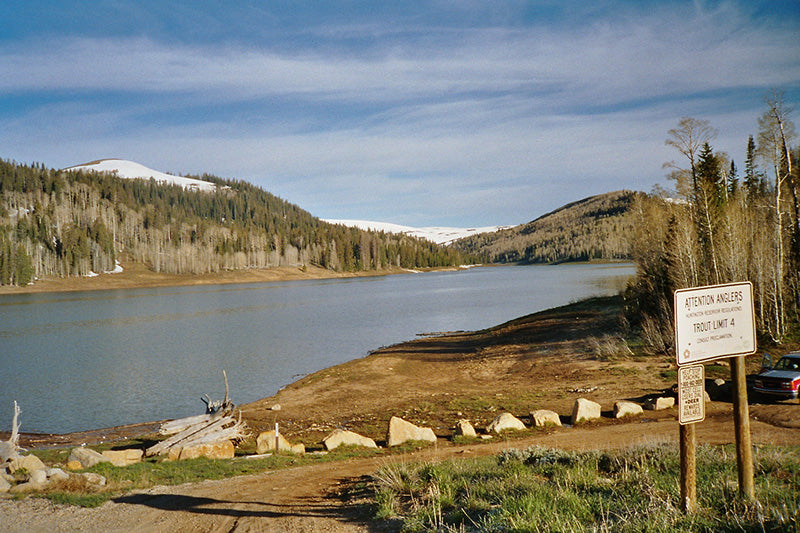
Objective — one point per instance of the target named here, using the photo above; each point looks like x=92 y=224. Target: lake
x=85 y=360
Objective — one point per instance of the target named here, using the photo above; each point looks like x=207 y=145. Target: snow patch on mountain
x=439 y=235
x=131 y=170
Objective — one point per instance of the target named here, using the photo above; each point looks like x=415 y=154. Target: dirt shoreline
x=137 y=276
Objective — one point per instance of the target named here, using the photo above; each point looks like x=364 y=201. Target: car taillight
x=795 y=384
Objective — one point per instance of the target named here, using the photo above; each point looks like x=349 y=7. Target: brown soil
x=541 y=361
x=136 y=275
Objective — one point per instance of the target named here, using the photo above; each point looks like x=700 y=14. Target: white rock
x=401 y=431
x=38 y=476
x=585 y=410
x=657 y=404
x=545 y=417
x=624 y=408
x=503 y=422
x=340 y=437
x=265 y=442
x=56 y=474
x=465 y=429
x=87 y=457
x=124 y=457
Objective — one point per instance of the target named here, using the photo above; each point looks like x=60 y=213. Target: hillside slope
x=593 y=228
x=73 y=223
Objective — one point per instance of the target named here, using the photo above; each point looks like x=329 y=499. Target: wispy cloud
x=507 y=120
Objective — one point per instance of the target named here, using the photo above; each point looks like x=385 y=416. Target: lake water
x=85 y=360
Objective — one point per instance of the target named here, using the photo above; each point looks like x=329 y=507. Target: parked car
x=782 y=381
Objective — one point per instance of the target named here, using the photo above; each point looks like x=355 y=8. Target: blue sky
x=450 y=113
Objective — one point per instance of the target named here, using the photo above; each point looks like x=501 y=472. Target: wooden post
x=688 y=468
x=741 y=421
x=277 y=439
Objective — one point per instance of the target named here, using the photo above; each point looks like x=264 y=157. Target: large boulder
x=125 y=457
x=401 y=431
x=213 y=450
x=31 y=463
x=465 y=429
x=265 y=442
x=585 y=410
x=623 y=408
x=660 y=403
x=87 y=457
x=503 y=422
x=545 y=417
x=340 y=437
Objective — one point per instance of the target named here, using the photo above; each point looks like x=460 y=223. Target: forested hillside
x=593 y=228
x=57 y=223
x=724 y=229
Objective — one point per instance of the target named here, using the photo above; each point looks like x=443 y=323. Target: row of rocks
x=401 y=431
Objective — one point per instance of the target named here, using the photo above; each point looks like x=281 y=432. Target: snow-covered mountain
x=438 y=235
x=130 y=170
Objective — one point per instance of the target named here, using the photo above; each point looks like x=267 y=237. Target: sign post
x=712 y=323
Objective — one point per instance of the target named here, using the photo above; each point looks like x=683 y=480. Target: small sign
x=691 y=394
x=714 y=322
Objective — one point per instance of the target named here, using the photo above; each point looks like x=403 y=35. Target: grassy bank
x=634 y=489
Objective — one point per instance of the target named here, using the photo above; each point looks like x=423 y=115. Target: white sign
x=691 y=394
x=714 y=322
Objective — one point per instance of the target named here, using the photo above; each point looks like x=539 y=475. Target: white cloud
x=498 y=120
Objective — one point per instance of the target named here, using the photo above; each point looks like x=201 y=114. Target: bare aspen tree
x=688 y=138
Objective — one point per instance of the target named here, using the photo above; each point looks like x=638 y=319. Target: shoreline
x=137 y=276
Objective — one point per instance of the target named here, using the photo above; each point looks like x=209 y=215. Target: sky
x=439 y=113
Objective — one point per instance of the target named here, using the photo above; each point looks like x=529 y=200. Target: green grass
x=154 y=471
x=632 y=490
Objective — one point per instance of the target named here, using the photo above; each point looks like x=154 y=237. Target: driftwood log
x=10 y=449
x=216 y=425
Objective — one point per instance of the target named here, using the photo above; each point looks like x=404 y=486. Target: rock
x=124 y=457
x=74 y=465
x=56 y=474
x=24 y=488
x=38 y=476
x=87 y=457
x=544 y=417
x=265 y=442
x=340 y=437
x=401 y=431
x=5 y=486
x=31 y=463
x=719 y=382
x=585 y=410
x=504 y=422
x=276 y=407
x=213 y=450
x=624 y=408
x=706 y=396
x=94 y=479
x=465 y=429
x=657 y=404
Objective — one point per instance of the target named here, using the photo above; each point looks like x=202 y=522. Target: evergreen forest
x=595 y=228
x=66 y=223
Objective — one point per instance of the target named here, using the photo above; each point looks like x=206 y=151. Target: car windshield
x=788 y=363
